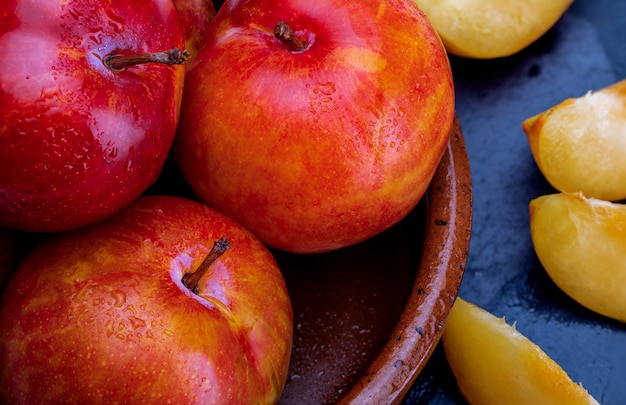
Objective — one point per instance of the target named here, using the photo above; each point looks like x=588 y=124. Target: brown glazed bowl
x=368 y=317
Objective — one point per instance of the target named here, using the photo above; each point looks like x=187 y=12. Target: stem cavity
x=284 y=32
x=192 y=280
x=174 y=56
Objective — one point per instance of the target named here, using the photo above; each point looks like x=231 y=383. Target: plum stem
x=174 y=56
x=284 y=32
x=192 y=279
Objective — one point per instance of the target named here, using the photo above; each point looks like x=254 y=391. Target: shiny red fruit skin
x=319 y=149
x=77 y=140
x=99 y=315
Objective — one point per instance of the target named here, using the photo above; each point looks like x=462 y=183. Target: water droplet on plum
x=119 y=298
x=327 y=89
x=136 y=322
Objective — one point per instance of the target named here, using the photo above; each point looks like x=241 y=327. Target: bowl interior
x=367 y=317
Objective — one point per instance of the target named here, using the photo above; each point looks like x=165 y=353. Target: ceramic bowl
x=368 y=317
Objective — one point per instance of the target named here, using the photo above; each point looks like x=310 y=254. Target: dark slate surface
x=585 y=50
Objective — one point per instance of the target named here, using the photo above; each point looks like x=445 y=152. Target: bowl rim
x=435 y=288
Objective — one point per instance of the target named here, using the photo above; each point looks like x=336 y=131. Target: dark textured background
x=585 y=50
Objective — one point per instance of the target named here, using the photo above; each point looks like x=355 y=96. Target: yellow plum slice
x=581 y=243
x=493 y=363
x=486 y=29
x=580 y=143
